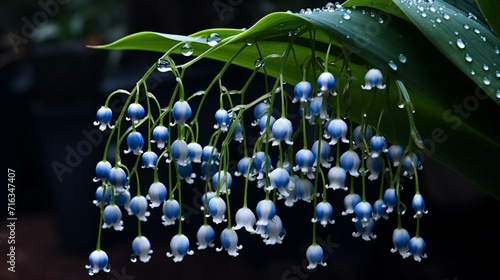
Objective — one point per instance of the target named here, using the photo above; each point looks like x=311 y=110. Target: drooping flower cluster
x=330 y=149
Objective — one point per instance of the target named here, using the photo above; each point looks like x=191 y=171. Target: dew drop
x=485 y=67
x=468 y=58
x=466 y=26
x=498 y=93
x=401 y=208
x=401 y=105
x=402 y=58
x=472 y=72
x=497 y=50
x=186 y=49
x=432 y=9
x=163 y=65
x=258 y=63
x=133 y=258
x=213 y=39
x=393 y=65
x=424 y=14
x=365 y=115
x=446 y=16
x=346 y=16
x=477 y=31
x=486 y=81
x=460 y=43
x=380 y=20
x=249 y=43
x=438 y=20
x=497 y=74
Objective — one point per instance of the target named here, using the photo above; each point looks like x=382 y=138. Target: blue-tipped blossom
x=274 y=231
x=149 y=159
x=222 y=119
x=366 y=232
x=180 y=247
x=416 y=248
x=279 y=179
x=98 y=260
x=104 y=115
x=265 y=211
x=171 y=211
x=217 y=209
x=102 y=170
x=259 y=111
x=324 y=212
x=122 y=199
x=318 y=107
x=336 y=178
x=373 y=78
x=282 y=130
x=291 y=198
x=205 y=237
x=418 y=205
x=395 y=154
x=112 y=217
x=374 y=166
x=262 y=164
x=237 y=134
x=410 y=165
x=135 y=142
x=379 y=210
x=210 y=154
x=263 y=123
x=390 y=199
x=118 y=178
x=142 y=248
x=337 y=129
x=350 y=161
x=180 y=152
x=400 y=239
x=363 y=213
x=222 y=181
x=302 y=91
x=304 y=190
x=186 y=173
x=181 y=111
x=245 y=218
x=304 y=160
x=160 y=136
x=229 y=242
x=326 y=82
x=378 y=146
x=244 y=168
x=314 y=255
x=98 y=196
x=135 y=112
x=361 y=134
x=138 y=206
x=324 y=152
x=194 y=151
x=157 y=194
x=350 y=201
x=205 y=199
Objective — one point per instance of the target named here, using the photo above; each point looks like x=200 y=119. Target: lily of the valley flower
x=324 y=212
x=363 y=213
x=238 y=132
x=112 y=216
x=418 y=205
x=314 y=255
x=336 y=178
x=265 y=211
x=279 y=178
x=274 y=231
x=395 y=154
x=245 y=218
x=302 y=91
x=98 y=195
x=135 y=112
x=374 y=165
x=260 y=111
x=102 y=170
x=123 y=199
x=160 y=136
x=98 y=260
x=205 y=237
x=180 y=247
x=157 y=194
x=217 y=209
x=135 y=142
x=104 y=115
x=377 y=145
x=181 y=111
x=222 y=182
x=373 y=78
x=243 y=167
x=379 y=210
x=390 y=199
x=138 y=206
x=171 y=210
x=366 y=232
x=350 y=201
x=400 y=239
x=350 y=161
x=361 y=134
x=149 y=159
x=304 y=160
x=326 y=82
x=324 y=153
x=222 y=119
x=210 y=154
x=142 y=248
x=194 y=152
x=317 y=106
x=410 y=163
x=179 y=152
x=229 y=242
x=416 y=248
x=304 y=190
x=337 y=129
x=282 y=130
x=186 y=173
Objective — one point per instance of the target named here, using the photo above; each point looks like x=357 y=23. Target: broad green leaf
x=367 y=38
x=489 y=10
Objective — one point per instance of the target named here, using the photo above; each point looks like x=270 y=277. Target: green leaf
x=489 y=9
x=437 y=85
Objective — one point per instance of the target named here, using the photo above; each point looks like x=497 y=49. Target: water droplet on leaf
x=163 y=65
x=186 y=49
x=486 y=81
x=393 y=65
x=258 y=63
x=460 y=43
x=213 y=39
x=402 y=58
x=468 y=58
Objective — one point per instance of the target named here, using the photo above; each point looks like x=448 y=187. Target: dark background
x=53 y=86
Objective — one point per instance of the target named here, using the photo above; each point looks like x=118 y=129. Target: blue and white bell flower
x=291 y=198
x=229 y=242
x=98 y=260
x=416 y=248
x=363 y=212
x=98 y=196
x=317 y=107
x=418 y=205
x=378 y=146
x=181 y=111
x=135 y=112
x=305 y=160
x=374 y=166
x=302 y=92
x=205 y=237
x=244 y=168
x=282 y=130
x=135 y=142
x=409 y=162
x=400 y=239
x=217 y=209
x=179 y=244
x=390 y=198
x=262 y=165
x=264 y=126
x=210 y=155
x=337 y=129
x=141 y=247
x=304 y=190
x=326 y=82
x=222 y=181
x=157 y=194
x=350 y=161
x=350 y=201
x=324 y=152
x=149 y=159
x=160 y=136
x=395 y=154
x=122 y=199
x=104 y=115
x=336 y=178
x=222 y=119
x=314 y=255
x=138 y=206
x=361 y=134
x=260 y=111
x=194 y=151
x=205 y=198
x=237 y=134
x=265 y=211
x=366 y=232
x=274 y=231
x=245 y=218
x=324 y=212
x=102 y=170
x=379 y=210
x=279 y=179
x=373 y=79
x=112 y=216
x=171 y=211
x=186 y=173
x=118 y=178
x=179 y=150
